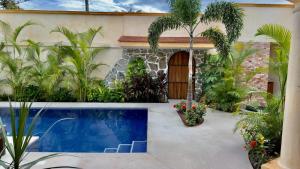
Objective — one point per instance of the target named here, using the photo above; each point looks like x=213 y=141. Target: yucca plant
x=79 y=58
x=185 y=14
x=21 y=137
x=12 y=58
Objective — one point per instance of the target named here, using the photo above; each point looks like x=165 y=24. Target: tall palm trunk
x=190 y=78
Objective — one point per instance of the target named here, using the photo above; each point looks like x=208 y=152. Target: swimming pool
x=90 y=130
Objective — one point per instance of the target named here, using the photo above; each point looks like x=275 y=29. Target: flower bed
x=191 y=117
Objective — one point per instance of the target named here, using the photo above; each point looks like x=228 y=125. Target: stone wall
x=159 y=62
x=259 y=60
x=154 y=62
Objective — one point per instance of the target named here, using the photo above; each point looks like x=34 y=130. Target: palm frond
x=219 y=39
x=230 y=14
x=186 y=11
x=159 y=26
x=19 y=29
x=280 y=34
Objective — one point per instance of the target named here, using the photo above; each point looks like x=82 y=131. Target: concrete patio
x=171 y=145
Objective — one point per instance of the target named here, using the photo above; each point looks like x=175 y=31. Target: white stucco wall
x=115 y=26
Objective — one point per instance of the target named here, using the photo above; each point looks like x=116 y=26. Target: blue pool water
x=88 y=130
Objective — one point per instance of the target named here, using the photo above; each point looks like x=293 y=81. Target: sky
x=120 y=5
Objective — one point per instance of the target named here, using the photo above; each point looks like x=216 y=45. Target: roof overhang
x=165 y=42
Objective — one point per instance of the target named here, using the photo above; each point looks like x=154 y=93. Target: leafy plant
x=62 y=94
x=102 y=93
x=32 y=93
x=140 y=86
x=185 y=14
x=136 y=67
x=268 y=122
x=194 y=116
x=21 y=136
x=79 y=59
x=46 y=74
x=11 y=54
x=279 y=63
x=232 y=87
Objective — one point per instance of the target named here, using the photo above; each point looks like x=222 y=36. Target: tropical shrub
x=102 y=93
x=79 y=59
x=140 y=86
x=141 y=89
x=229 y=83
x=136 y=67
x=14 y=67
x=193 y=116
x=32 y=93
x=62 y=94
x=262 y=131
x=265 y=126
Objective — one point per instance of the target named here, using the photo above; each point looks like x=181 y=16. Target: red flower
x=183 y=107
x=174 y=105
x=253 y=144
x=193 y=106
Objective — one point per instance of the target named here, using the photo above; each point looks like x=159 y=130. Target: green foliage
x=225 y=94
x=140 y=86
x=268 y=122
x=278 y=64
x=11 y=59
x=230 y=14
x=193 y=116
x=212 y=71
x=62 y=94
x=186 y=11
x=225 y=81
x=32 y=93
x=136 y=67
x=102 y=93
x=143 y=88
x=21 y=136
x=160 y=25
x=79 y=59
x=265 y=128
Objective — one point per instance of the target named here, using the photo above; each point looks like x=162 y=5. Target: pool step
x=124 y=148
x=134 y=147
x=110 y=150
x=138 y=147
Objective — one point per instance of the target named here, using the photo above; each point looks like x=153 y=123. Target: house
x=125 y=36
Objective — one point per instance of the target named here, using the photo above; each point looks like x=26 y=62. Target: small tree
x=185 y=14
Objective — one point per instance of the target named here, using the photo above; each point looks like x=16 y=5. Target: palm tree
x=185 y=14
x=279 y=64
x=45 y=74
x=11 y=58
x=79 y=58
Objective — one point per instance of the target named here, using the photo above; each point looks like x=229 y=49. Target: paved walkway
x=171 y=145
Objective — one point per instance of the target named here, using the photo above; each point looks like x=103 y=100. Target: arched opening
x=178 y=75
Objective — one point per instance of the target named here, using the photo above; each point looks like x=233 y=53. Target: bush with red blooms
x=193 y=116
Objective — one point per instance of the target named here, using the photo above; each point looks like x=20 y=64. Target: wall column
x=290 y=150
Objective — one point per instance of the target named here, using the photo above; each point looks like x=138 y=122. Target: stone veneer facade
x=159 y=62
